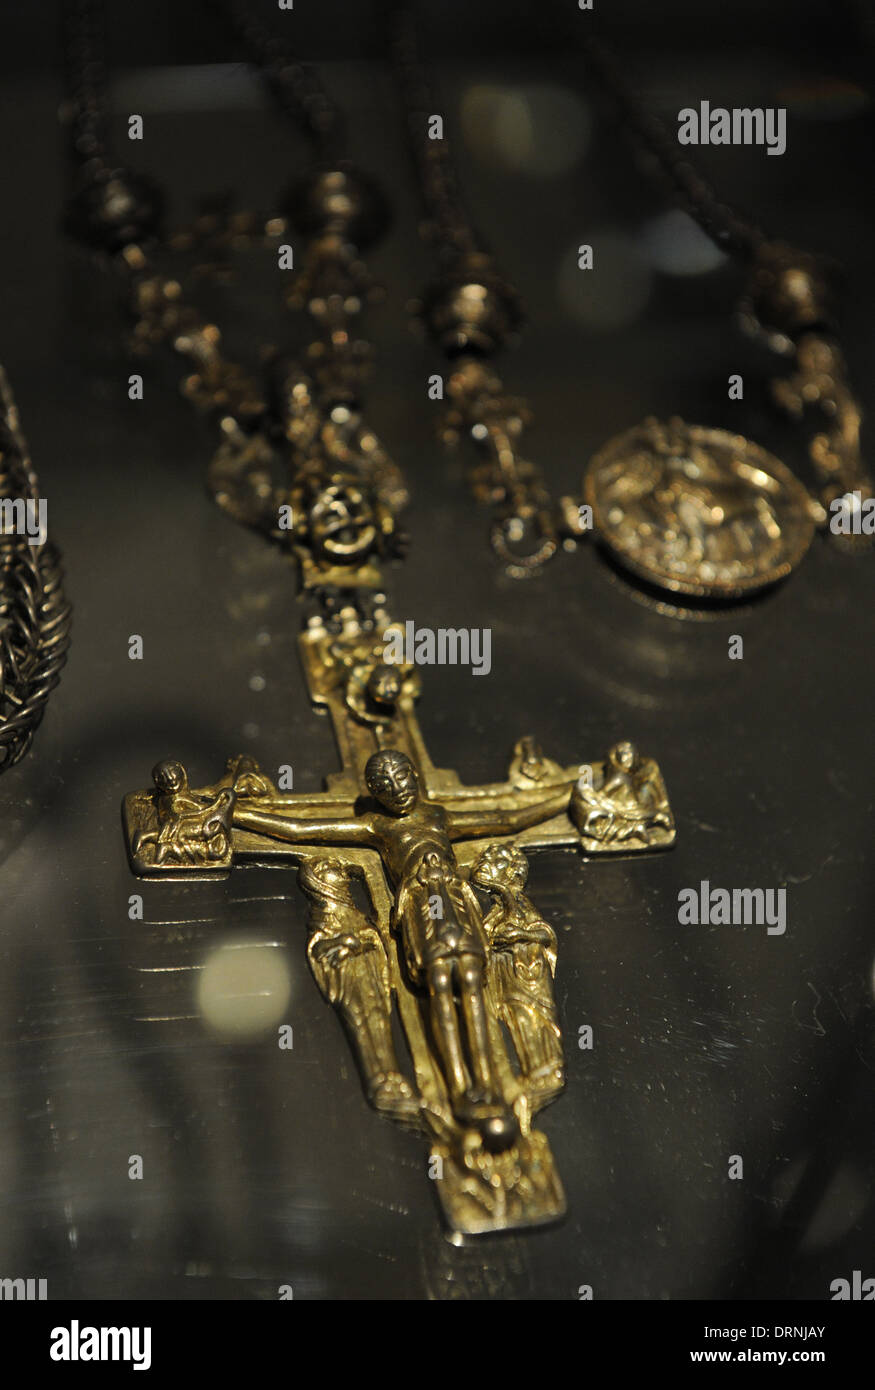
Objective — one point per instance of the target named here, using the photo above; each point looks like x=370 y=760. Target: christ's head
x=391 y=779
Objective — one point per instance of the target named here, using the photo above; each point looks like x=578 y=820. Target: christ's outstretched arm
x=302 y=831
x=470 y=825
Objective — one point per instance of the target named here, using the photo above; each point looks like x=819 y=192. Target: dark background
x=264 y=1168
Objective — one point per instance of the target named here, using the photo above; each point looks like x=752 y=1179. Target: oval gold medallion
x=698 y=511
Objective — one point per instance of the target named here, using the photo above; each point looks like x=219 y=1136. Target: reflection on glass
x=615 y=292
x=534 y=128
x=243 y=990
x=824 y=99
x=676 y=245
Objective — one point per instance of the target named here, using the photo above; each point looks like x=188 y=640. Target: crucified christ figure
x=436 y=915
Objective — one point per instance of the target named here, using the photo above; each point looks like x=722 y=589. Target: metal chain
x=728 y=229
x=300 y=446
x=295 y=86
x=449 y=227
x=787 y=303
x=84 y=43
x=35 y=617
x=472 y=311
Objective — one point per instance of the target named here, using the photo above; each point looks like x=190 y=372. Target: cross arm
x=618 y=805
x=178 y=830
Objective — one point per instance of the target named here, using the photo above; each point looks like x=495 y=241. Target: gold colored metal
x=699 y=511
x=342 y=519
x=314 y=476
x=820 y=380
x=526 y=531
x=162 y=314
x=788 y=305
x=424 y=845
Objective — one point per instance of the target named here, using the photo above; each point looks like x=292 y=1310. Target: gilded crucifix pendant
x=431 y=852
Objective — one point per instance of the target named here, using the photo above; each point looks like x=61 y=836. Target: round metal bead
x=340 y=201
x=789 y=291
x=471 y=313
x=115 y=211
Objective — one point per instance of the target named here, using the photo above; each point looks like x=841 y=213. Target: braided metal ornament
x=35 y=617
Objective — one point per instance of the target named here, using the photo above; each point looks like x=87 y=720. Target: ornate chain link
x=35 y=617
